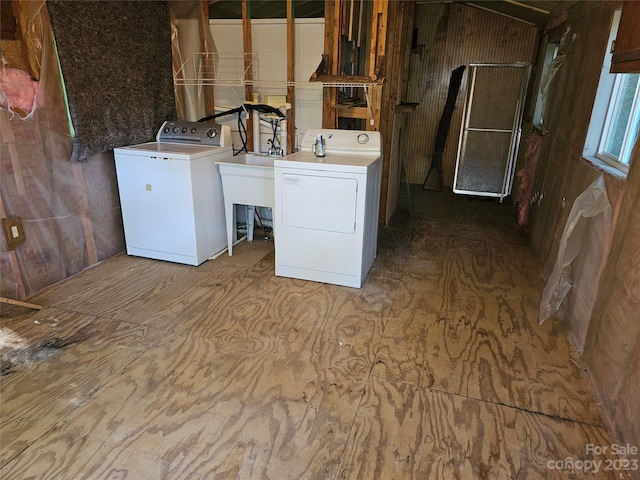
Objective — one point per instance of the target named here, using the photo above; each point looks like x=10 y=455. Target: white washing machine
x=326 y=208
x=171 y=193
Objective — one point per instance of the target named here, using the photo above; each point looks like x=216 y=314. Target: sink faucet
x=274 y=151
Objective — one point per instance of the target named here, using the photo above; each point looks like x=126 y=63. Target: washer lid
x=332 y=162
x=174 y=150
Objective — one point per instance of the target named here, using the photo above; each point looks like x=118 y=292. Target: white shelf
x=231 y=71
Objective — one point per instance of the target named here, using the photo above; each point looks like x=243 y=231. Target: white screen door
x=491 y=127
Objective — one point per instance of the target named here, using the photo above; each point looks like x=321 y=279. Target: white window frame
x=627 y=143
x=603 y=113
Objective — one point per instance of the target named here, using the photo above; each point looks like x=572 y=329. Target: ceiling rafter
x=533 y=12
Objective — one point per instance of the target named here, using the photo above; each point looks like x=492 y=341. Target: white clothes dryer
x=326 y=208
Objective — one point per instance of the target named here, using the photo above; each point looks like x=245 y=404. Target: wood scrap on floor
x=433 y=181
x=20 y=303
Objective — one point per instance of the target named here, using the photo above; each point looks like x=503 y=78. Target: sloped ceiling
x=535 y=12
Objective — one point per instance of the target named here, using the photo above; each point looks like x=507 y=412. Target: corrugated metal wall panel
x=453 y=35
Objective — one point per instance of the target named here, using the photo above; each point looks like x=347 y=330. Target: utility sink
x=249 y=159
x=247 y=179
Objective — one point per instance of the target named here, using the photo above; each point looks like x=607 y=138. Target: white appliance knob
x=212 y=133
x=363 y=138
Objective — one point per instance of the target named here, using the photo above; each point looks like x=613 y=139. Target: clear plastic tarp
x=70 y=211
x=572 y=286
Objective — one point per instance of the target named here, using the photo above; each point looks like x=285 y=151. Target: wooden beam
x=397 y=47
x=378 y=33
x=329 y=95
x=7 y=136
x=20 y=304
x=291 y=77
x=562 y=6
x=15 y=266
x=352 y=112
x=360 y=14
x=526 y=5
x=247 y=48
x=84 y=214
x=351 y=9
x=177 y=66
x=377 y=51
x=205 y=34
x=405 y=49
x=355 y=79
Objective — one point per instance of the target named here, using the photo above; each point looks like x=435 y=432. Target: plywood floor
x=435 y=369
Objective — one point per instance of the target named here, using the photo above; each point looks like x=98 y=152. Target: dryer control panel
x=344 y=141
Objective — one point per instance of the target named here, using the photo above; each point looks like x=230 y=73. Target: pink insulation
x=19 y=90
x=527 y=176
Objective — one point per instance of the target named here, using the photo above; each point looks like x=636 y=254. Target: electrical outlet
x=13 y=232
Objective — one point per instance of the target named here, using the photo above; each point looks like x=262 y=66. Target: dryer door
x=319 y=202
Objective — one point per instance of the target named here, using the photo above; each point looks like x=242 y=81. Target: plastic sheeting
x=585 y=237
x=70 y=211
x=185 y=40
x=19 y=92
x=549 y=77
x=22 y=89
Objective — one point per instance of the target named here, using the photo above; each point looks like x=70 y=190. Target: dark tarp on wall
x=117 y=68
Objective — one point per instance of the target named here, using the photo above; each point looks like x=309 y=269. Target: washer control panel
x=196 y=133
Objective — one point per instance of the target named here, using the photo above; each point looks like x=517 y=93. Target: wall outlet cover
x=13 y=232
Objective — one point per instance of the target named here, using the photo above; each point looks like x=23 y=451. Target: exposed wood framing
x=387 y=68
x=389 y=101
x=330 y=57
x=335 y=25
x=378 y=31
x=205 y=34
x=377 y=48
x=9 y=139
x=375 y=101
x=351 y=9
x=322 y=68
x=360 y=15
x=15 y=266
x=398 y=55
x=16 y=166
x=178 y=72
x=291 y=76
x=318 y=77
x=83 y=212
x=387 y=63
x=247 y=48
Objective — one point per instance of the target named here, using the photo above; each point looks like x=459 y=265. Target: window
x=551 y=53
x=621 y=124
x=615 y=119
